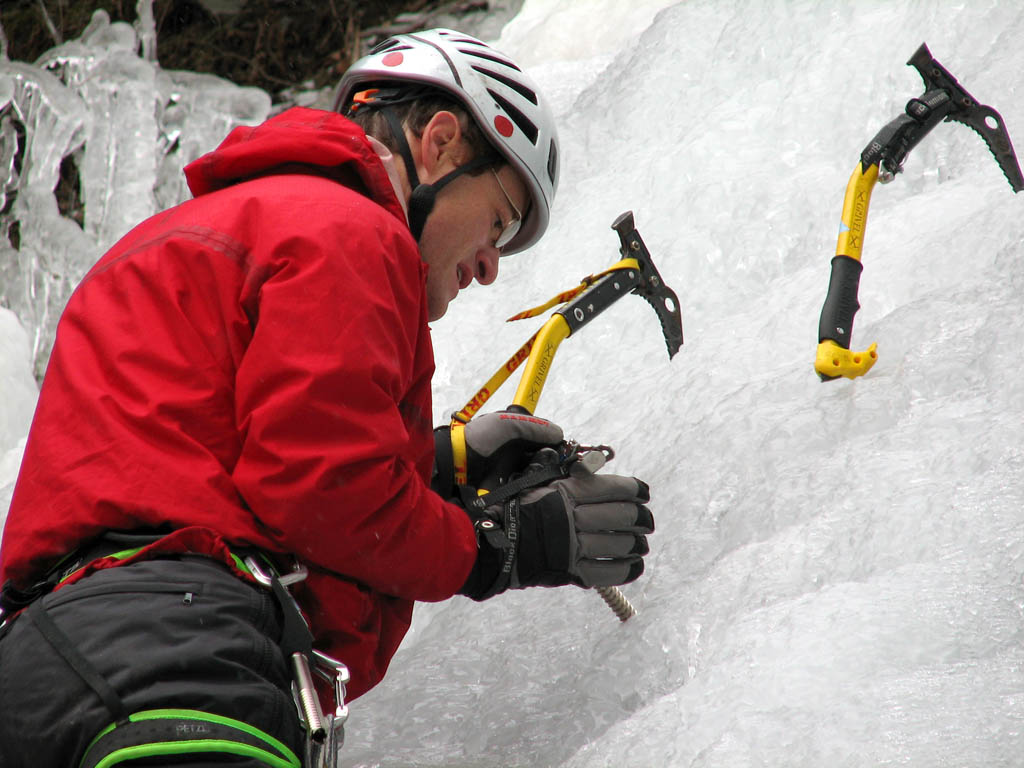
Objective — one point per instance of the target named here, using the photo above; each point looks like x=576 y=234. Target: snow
x=837 y=577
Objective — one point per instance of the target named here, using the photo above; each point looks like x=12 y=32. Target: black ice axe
x=943 y=100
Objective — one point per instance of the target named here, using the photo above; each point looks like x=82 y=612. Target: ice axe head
x=965 y=109
x=662 y=298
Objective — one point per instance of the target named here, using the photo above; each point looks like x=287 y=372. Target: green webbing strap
x=123 y=554
x=160 y=732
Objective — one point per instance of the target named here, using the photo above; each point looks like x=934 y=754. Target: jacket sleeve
x=333 y=407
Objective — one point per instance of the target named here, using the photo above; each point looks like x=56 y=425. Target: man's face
x=458 y=239
x=469 y=215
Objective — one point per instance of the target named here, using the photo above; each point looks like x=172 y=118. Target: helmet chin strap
x=423 y=197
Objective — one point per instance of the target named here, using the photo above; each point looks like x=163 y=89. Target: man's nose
x=486 y=265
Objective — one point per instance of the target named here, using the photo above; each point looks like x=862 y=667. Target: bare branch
x=54 y=33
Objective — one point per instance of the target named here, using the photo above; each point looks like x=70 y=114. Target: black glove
x=585 y=529
x=497 y=444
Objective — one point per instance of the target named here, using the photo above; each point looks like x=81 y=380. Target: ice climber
x=236 y=420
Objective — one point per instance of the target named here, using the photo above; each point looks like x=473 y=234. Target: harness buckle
x=265 y=577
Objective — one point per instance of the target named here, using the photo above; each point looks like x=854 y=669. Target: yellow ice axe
x=634 y=273
x=944 y=99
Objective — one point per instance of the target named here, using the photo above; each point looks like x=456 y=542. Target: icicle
x=145 y=26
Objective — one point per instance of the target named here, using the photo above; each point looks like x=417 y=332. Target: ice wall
x=122 y=128
x=838 y=572
x=836 y=579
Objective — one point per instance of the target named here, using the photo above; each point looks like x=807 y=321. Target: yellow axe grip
x=835 y=326
x=855 y=211
x=553 y=332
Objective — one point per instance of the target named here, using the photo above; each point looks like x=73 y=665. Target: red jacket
x=253 y=367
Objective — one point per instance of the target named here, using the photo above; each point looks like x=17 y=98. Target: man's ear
x=442 y=148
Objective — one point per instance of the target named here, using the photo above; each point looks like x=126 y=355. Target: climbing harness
x=167 y=732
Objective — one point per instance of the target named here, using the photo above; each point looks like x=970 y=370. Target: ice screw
x=617 y=602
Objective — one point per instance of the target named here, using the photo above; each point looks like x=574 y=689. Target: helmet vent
x=491 y=57
x=553 y=162
x=522 y=121
x=471 y=41
x=389 y=44
x=518 y=87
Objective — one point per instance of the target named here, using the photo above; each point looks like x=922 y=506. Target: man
x=239 y=393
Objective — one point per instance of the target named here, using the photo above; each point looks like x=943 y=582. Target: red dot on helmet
x=504 y=126
x=393 y=59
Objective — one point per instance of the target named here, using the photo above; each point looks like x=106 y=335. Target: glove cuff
x=494 y=569
x=442 y=479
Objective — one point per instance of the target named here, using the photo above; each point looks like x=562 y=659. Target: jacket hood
x=297 y=140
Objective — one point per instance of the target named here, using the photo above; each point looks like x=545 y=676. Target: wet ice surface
x=836 y=578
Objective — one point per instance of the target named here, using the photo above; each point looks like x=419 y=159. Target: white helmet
x=503 y=100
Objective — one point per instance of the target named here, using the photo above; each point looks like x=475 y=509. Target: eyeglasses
x=511 y=229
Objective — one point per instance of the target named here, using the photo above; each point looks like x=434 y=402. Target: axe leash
x=634 y=273
x=943 y=100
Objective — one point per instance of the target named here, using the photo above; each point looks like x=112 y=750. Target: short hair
x=414 y=114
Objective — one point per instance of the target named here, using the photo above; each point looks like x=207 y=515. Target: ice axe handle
x=836 y=322
x=834 y=358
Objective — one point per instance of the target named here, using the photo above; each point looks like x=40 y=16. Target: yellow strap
x=559 y=299
x=500 y=376
x=459 y=462
x=528 y=393
x=572 y=293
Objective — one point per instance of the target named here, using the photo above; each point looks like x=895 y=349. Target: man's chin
x=435 y=314
x=443 y=310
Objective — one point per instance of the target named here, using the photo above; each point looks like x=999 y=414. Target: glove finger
x=610 y=545
x=614 y=516
x=609 y=573
x=585 y=489
x=488 y=433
